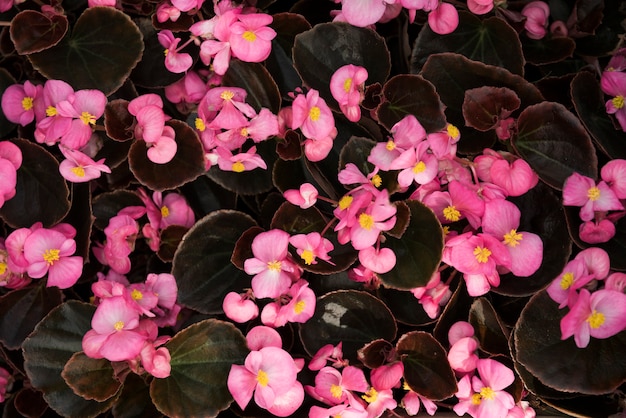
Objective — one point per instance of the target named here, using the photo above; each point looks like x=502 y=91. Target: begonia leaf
x=91 y=378
x=491 y=333
x=356 y=152
x=607 y=35
x=295 y=221
x=548 y=50
x=32 y=31
x=314 y=11
x=202 y=355
x=187 y=164
x=95 y=55
x=491 y=41
x=49 y=347
x=408 y=94
x=589 y=103
x=29 y=403
x=418 y=251
x=107 y=205
x=426 y=367
x=115 y=154
x=202 y=266
x=289 y=175
x=256 y=81
x=585 y=406
x=596 y=369
x=41 y=193
x=353 y=317
x=374 y=354
x=404 y=306
x=483 y=107
x=6 y=80
x=118 y=120
x=171 y=237
x=554 y=143
x=80 y=217
x=22 y=309
x=243 y=246
x=135 y=399
x=319 y=52
x=548 y=221
x=457 y=309
x=452 y=74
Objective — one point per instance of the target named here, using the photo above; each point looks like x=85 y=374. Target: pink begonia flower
x=614 y=174
x=363 y=13
x=328 y=353
x=239 y=307
x=6 y=380
x=9 y=278
x=121 y=233
x=270 y=266
x=599 y=315
x=536 y=24
x=596 y=232
x=22 y=103
x=261 y=336
x=387 y=376
x=175 y=61
x=355 y=410
x=10 y=162
x=379 y=401
x=262 y=126
x=480 y=7
x=300 y=307
x=351 y=175
x=15 y=248
x=378 y=260
x=187 y=5
x=312 y=115
x=501 y=219
x=156 y=361
x=166 y=11
x=113 y=335
x=172 y=209
x=596 y=262
x=103 y=3
x=563 y=289
x=433 y=296
x=312 y=246
x=521 y=410
x=268 y=374
x=51 y=252
x=347 y=87
x=150 y=122
x=163 y=149
x=79 y=168
x=515 y=178
x=84 y=107
x=53 y=126
x=416 y=165
x=462 y=355
x=408 y=132
x=244 y=161
x=460 y=201
x=582 y=191
x=411 y=403
x=443 y=144
x=334 y=387
x=384 y=153
x=613 y=83
x=493 y=400
x=444 y=19
x=347 y=210
x=414 y=5
x=251 y=37
x=378 y=216
x=188 y=90
x=616 y=281
x=316 y=149
x=225 y=108
x=305 y=197
x=459 y=330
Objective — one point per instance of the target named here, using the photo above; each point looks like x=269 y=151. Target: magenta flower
x=53 y=126
x=444 y=19
x=251 y=37
x=536 y=24
x=378 y=216
x=79 y=168
x=599 y=315
x=175 y=61
x=582 y=191
x=305 y=197
x=492 y=399
x=333 y=387
x=84 y=107
x=613 y=83
x=480 y=7
x=312 y=115
x=243 y=161
x=614 y=174
x=417 y=165
x=460 y=201
x=312 y=246
x=346 y=86
x=5 y=381
x=364 y=12
x=10 y=162
x=22 y=103
x=378 y=260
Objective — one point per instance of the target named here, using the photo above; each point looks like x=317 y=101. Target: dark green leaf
x=353 y=317
x=491 y=41
x=418 y=251
x=484 y=107
x=202 y=355
x=91 y=378
x=375 y=354
x=80 y=217
x=46 y=351
x=202 y=265
x=555 y=144
x=32 y=31
x=426 y=367
x=548 y=50
x=135 y=401
x=102 y=49
x=171 y=238
x=41 y=192
x=29 y=403
x=118 y=120
x=489 y=330
x=258 y=83
x=404 y=306
x=107 y=205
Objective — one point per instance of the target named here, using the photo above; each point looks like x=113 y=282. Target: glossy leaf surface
x=32 y=31
x=91 y=378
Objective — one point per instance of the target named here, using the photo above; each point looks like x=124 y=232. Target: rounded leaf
x=201 y=358
x=107 y=205
x=91 y=378
x=32 y=31
x=484 y=107
x=489 y=329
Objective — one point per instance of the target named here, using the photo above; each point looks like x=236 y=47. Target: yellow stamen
x=453 y=131
x=166 y=51
x=27 y=103
x=476 y=399
x=405 y=386
x=249 y=36
x=487 y=393
x=390 y=145
x=50 y=256
x=238 y=167
x=596 y=319
x=165 y=211
x=299 y=307
x=451 y=214
x=243 y=132
x=376 y=180
x=593 y=194
x=78 y=170
x=200 y=125
x=119 y=325
x=482 y=254
x=446 y=230
x=567 y=280
x=274 y=265
x=314 y=113
x=262 y=378
x=51 y=111
x=88 y=118
x=136 y=294
x=3 y=268
x=227 y=95
x=618 y=101
x=307 y=256
x=345 y=202
x=513 y=238
x=336 y=391
x=370 y=396
x=419 y=167
x=366 y=221
x=347 y=84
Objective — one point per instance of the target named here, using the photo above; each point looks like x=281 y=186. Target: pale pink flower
x=188 y=90
x=156 y=361
x=312 y=246
x=251 y=37
x=596 y=232
x=414 y=5
x=433 y=296
x=347 y=87
x=10 y=162
x=225 y=108
x=564 y=287
x=84 y=107
x=312 y=115
x=580 y=190
x=239 y=307
x=261 y=336
x=22 y=103
x=443 y=144
x=417 y=165
x=411 y=403
x=364 y=12
x=79 y=168
x=328 y=353
x=462 y=355
x=377 y=260
x=444 y=19
x=408 y=132
x=599 y=315
x=379 y=401
x=387 y=376
x=305 y=197
x=172 y=209
x=378 y=216
x=52 y=127
x=300 y=307
x=506 y=171
x=384 y=153
x=175 y=61
x=166 y=11
x=460 y=201
x=536 y=24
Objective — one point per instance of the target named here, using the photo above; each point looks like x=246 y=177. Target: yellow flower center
x=336 y=391
x=487 y=393
x=51 y=111
x=366 y=221
x=446 y=230
x=227 y=95
x=119 y=325
x=345 y=202
x=78 y=171
x=200 y=125
x=314 y=113
x=347 y=84
x=390 y=145
x=307 y=256
x=482 y=254
x=238 y=167
x=166 y=51
x=453 y=131
x=136 y=294
x=274 y=265
x=476 y=399
x=593 y=194
x=298 y=308
x=243 y=132
x=262 y=378
x=596 y=319
x=370 y=396
x=50 y=256
x=249 y=36
x=165 y=211
x=376 y=180
x=419 y=167
x=3 y=268
x=567 y=280
x=88 y=118
x=27 y=103
x=451 y=214
x=513 y=238
x=618 y=101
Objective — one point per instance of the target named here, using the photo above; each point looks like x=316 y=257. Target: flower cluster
x=613 y=83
